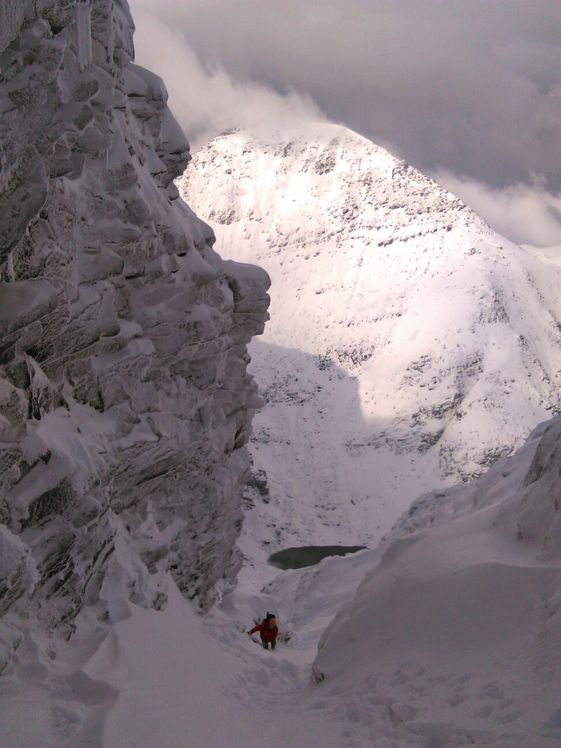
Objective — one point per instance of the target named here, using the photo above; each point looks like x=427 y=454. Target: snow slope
x=409 y=344
x=454 y=638
x=201 y=691
x=171 y=679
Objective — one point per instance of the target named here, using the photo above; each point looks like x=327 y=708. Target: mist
x=469 y=92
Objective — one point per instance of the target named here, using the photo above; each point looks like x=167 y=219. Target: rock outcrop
x=125 y=404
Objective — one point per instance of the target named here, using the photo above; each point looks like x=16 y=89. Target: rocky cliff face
x=125 y=403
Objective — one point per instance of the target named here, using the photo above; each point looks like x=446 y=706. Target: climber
x=268 y=631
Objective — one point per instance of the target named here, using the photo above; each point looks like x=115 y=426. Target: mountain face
x=409 y=346
x=125 y=403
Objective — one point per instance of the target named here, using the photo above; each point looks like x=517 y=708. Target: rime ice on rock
x=125 y=403
x=84 y=32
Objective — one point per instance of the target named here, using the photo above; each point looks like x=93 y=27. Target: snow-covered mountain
x=125 y=403
x=409 y=344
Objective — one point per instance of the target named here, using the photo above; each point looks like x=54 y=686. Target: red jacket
x=266 y=632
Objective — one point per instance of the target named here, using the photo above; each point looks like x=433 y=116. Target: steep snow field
x=173 y=679
x=452 y=639
x=458 y=629
x=409 y=345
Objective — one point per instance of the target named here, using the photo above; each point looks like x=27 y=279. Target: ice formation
x=125 y=404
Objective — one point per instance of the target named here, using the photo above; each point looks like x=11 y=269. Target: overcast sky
x=467 y=90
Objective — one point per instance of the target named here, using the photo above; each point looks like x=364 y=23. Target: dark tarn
x=296 y=558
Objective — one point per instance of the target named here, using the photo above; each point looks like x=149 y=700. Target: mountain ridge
x=451 y=332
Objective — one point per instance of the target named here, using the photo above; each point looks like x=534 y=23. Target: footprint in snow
x=483 y=712
x=456 y=698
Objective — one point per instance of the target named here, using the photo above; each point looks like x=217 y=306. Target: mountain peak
x=429 y=344
x=319 y=164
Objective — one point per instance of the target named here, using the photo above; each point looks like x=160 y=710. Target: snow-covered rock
x=409 y=346
x=125 y=404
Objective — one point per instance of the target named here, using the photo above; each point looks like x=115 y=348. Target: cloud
x=473 y=87
x=205 y=99
x=466 y=87
x=526 y=214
